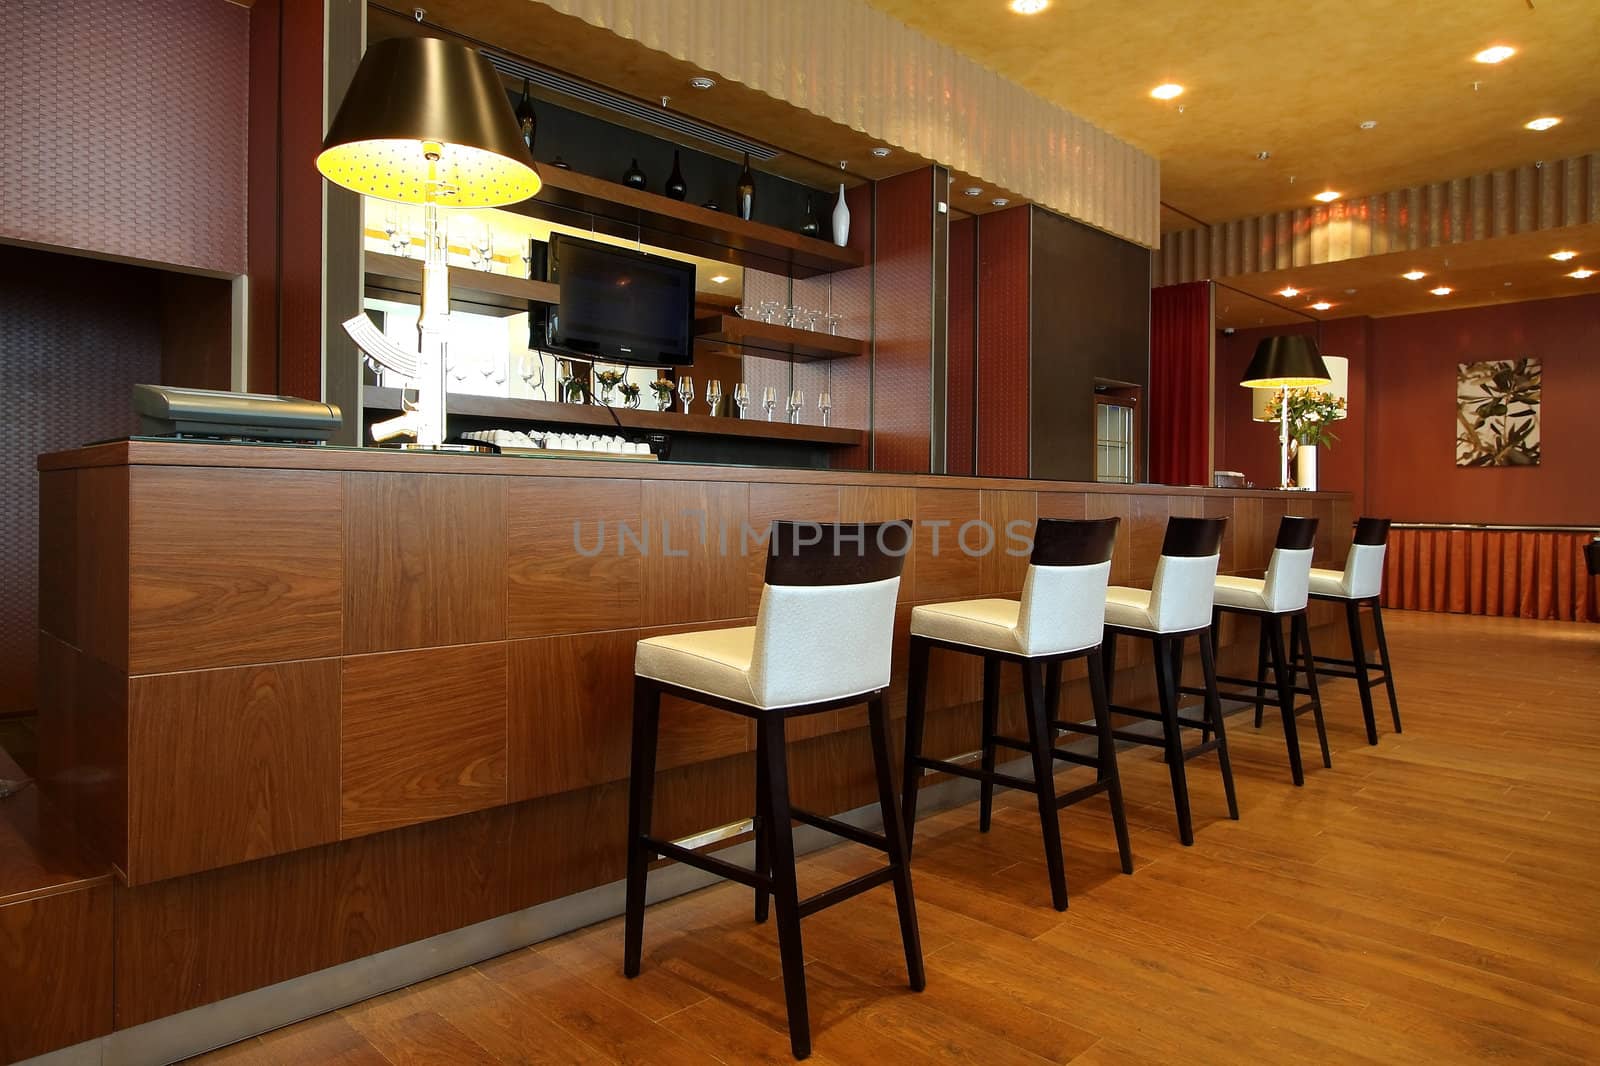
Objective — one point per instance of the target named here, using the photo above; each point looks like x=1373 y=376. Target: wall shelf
x=730 y=332
x=477 y=291
x=620 y=210
x=595 y=417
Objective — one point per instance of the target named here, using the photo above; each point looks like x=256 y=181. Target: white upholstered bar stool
x=1060 y=616
x=1281 y=593
x=822 y=640
x=1358 y=585
x=1176 y=607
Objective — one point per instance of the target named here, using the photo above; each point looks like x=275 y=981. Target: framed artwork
x=1497 y=412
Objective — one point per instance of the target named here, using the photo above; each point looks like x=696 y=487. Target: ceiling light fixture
x=700 y=81
x=881 y=153
x=1166 y=91
x=1029 y=7
x=1581 y=273
x=1562 y=257
x=1542 y=124
x=1414 y=275
x=1497 y=54
x=972 y=190
x=1370 y=124
x=1321 y=305
x=1327 y=196
x=1263 y=156
x=720 y=279
x=999 y=201
x=1289 y=290
x=1442 y=290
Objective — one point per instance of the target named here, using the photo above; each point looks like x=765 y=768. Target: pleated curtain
x=1179 y=398
x=1505 y=573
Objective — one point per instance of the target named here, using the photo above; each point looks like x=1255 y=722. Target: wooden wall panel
x=1249 y=544
x=255 y=563
x=563 y=539
x=58 y=567
x=874 y=504
x=776 y=503
x=944 y=570
x=1223 y=507
x=425 y=561
x=902 y=367
x=999 y=571
x=102 y=570
x=1004 y=266
x=961 y=396
x=225 y=766
x=1117 y=505
x=1146 y=529
x=571 y=712
x=422 y=736
x=55 y=971
x=685 y=576
x=83 y=744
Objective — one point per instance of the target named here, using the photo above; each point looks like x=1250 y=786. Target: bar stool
x=822 y=640
x=1061 y=616
x=1176 y=607
x=1281 y=593
x=1359 y=585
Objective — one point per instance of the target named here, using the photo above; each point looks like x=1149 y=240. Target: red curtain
x=1180 y=384
x=1508 y=573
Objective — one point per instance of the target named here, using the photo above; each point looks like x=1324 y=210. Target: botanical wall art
x=1497 y=412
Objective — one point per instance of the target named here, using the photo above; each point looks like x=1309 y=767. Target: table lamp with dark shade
x=1285 y=362
x=426 y=121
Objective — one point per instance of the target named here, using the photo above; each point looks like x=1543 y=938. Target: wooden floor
x=1430 y=900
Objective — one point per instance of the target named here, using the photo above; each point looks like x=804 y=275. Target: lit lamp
x=1285 y=363
x=426 y=121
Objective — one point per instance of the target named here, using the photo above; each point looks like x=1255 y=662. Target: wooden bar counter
x=314 y=703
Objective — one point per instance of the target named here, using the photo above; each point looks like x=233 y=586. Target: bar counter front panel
x=317 y=703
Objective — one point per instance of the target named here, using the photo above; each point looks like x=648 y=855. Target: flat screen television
x=619 y=305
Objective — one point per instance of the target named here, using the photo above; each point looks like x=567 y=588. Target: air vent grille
x=625 y=105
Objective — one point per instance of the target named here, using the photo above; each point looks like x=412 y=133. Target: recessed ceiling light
x=1542 y=124
x=999 y=201
x=1321 y=305
x=1029 y=7
x=972 y=190
x=881 y=153
x=1288 y=290
x=1498 y=54
x=1442 y=290
x=700 y=81
x=720 y=279
x=1581 y=273
x=1562 y=257
x=1263 y=156
x=1370 y=124
x=1414 y=275
x=1327 y=196
x=1167 y=91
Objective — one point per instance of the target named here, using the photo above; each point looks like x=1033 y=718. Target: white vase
x=841 y=220
x=1306 y=467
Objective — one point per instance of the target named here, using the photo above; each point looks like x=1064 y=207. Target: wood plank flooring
x=1432 y=899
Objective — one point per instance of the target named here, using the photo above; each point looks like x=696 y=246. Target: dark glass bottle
x=526 y=118
x=677 y=188
x=747 y=189
x=633 y=175
x=809 y=226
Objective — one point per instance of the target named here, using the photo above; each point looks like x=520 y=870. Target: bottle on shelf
x=747 y=190
x=633 y=176
x=526 y=119
x=677 y=188
x=809 y=227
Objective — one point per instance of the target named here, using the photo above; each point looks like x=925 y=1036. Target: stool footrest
x=840 y=829
x=709 y=863
x=1199 y=749
x=974 y=775
x=1374 y=673
x=1139 y=738
x=839 y=893
x=1065 y=756
x=1083 y=792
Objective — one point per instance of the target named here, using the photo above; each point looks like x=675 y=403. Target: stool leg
x=1280 y=671
x=1107 y=758
x=1167 y=690
x=991 y=725
x=1358 y=652
x=1208 y=663
x=1388 y=669
x=641 y=791
x=894 y=834
x=785 y=892
x=1041 y=746
x=916 y=709
x=1108 y=659
x=1216 y=639
x=763 y=826
x=1261 y=673
x=1300 y=637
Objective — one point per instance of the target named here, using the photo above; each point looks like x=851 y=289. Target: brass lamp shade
x=411 y=92
x=1289 y=361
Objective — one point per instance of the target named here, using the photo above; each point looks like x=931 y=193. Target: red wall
x=1396 y=451
x=1411 y=473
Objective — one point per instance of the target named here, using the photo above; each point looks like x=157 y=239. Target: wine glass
x=485 y=249
x=770 y=310
x=791 y=315
x=769 y=400
x=686 y=392
x=825 y=405
x=532 y=372
x=741 y=397
x=797 y=400
x=714 y=396
x=458 y=370
x=743 y=311
x=833 y=321
x=486 y=368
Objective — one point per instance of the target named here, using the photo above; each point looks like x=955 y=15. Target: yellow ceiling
x=1297 y=79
